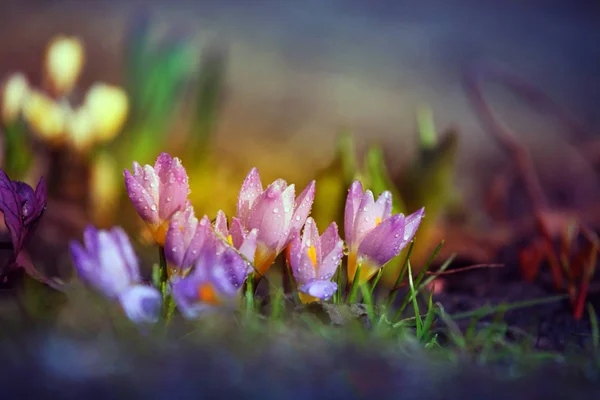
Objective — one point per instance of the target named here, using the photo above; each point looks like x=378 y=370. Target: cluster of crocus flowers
x=206 y=264
x=51 y=114
x=22 y=207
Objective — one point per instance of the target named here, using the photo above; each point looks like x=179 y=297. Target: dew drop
x=366 y=208
x=145 y=207
x=194 y=252
x=275 y=210
x=297 y=218
x=174 y=249
x=169 y=199
x=366 y=219
x=153 y=207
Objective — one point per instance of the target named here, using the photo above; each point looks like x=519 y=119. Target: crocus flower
x=236 y=235
x=275 y=212
x=108 y=263
x=314 y=260
x=215 y=281
x=184 y=239
x=373 y=235
x=158 y=192
x=22 y=208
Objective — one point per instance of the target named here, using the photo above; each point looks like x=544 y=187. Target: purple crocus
x=314 y=260
x=275 y=212
x=215 y=281
x=236 y=235
x=373 y=235
x=22 y=208
x=158 y=192
x=184 y=239
x=108 y=263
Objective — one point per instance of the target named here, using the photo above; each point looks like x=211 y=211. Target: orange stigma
x=206 y=293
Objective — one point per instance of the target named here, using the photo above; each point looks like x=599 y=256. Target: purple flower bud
x=275 y=212
x=107 y=263
x=158 y=192
x=22 y=209
x=215 y=281
x=314 y=260
x=373 y=235
x=184 y=239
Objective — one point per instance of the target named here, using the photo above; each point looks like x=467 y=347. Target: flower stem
x=167 y=309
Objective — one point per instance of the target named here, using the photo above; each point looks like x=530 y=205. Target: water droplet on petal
x=297 y=218
x=275 y=210
x=153 y=207
x=366 y=219
x=169 y=199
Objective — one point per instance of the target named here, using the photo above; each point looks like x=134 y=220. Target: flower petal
x=142 y=200
x=142 y=304
x=271 y=215
x=329 y=239
x=250 y=191
x=174 y=185
x=412 y=223
x=303 y=207
x=310 y=238
x=321 y=289
x=10 y=206
x=369 y=215
x=248 y=247
x=305 y=270
x=355 y=195
x=123 y=243
x=331 y=261
x=385 y=241
x=221 y=224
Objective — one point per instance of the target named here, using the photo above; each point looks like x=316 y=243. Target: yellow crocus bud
x=105 y=185
x=108 y=106
x=14 y=93
x=80 y=128
x=44 y=116
x=63 y=64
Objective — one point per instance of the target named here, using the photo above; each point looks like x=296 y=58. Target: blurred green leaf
x=209 y=94
x=333 y=182
x=379 y=179
x=17 y=151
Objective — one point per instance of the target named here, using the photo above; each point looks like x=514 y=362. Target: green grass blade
x=354 y=286
x=394 y=293
x=338 y=292
x=453 y=330
x=415 y=302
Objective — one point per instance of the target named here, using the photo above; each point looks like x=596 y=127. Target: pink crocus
x=236 y=235
x=314 y=259
x=373 y=235
x=158 y=192
x=275 y=212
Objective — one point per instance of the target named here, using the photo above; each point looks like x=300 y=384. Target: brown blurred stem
x=523 y=162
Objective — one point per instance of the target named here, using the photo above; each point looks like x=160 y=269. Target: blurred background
x=293 y=74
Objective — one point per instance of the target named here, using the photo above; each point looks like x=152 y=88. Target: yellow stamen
x=377 y=221
x=230 y=240
x=312 y=254
x=207 y=294
x=307 y=298
x=367 y=269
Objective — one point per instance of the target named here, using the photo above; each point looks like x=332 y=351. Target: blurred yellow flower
x=80 y=129
x=108 y=107
x=45 y=117
x=14 y=93
x=63 y=64
x=105 y=187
